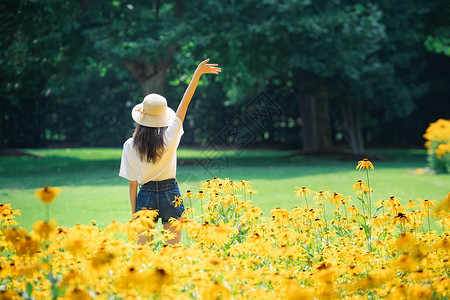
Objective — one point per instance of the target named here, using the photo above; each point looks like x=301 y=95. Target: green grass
x=92 y=189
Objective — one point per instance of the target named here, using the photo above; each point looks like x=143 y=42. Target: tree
x=54 y=65
x=315 y=42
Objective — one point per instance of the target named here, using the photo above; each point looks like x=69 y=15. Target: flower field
x=360 y=250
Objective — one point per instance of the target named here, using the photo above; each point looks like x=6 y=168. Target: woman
x=149 y=157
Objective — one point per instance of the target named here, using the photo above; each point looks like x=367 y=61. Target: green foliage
x=441 y=164
x=71 y=70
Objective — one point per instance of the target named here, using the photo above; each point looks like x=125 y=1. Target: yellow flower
x=7 y=211
x=393 y=201
x=303 y=191
x=216 y=291
x=411 y=204
x=27 y=246
x=444 y=205
x=401 y=218
x=14 y=235
x=344 y=201
x=188 y=195
x=360 y=185
x=280 y=216
x=47 y=194
x=382 y=203
x=336 y=198
x=200 y=195
x=246 y=184
x=7 y=215
x=178 y=201
x=377 y=222
x=101 y=258
x=44 y=229
x=318 y=223
x=426 y=204
x=113 y=228
x=442 y=149
x=353 y=210
x=251 y=191
x=364 y=164
x=322 y=195
x=77 y=294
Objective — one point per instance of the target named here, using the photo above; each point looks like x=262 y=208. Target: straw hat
x=153 y=112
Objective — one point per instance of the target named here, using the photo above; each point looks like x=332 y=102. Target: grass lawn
x=92 y=189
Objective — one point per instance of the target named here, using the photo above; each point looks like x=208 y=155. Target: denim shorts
x=159 y=195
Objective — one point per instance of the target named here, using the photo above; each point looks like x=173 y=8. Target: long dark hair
x=148 y=143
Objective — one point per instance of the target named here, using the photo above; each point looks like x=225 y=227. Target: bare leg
x=177 y=239
x=143 y=239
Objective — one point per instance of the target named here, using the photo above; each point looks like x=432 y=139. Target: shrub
x=438 y=144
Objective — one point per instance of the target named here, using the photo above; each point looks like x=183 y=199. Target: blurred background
x=345 y=75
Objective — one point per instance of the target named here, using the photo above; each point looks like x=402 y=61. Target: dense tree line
x=343 y=74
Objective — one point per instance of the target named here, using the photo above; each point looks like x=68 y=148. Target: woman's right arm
x=133 y=195
x=202 y=68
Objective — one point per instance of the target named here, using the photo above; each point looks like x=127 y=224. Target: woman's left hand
x=205 y=68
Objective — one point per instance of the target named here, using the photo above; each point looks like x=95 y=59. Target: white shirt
x=132 y=168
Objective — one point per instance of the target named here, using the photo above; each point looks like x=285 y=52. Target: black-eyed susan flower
x=364 y=164
x=376 y=221
x=27 y=246
x=353 y=210
x=47 y=194
x=322 y=195
x=302 y=192
x=426 y=204
x=76 y=293
x=200 y=195
x=318 y=223
x=251 y=191
x=113 y=228
x=178 y=201
x=336 y=198
x=411 y=205
x=393 y=201
x=360 y=185
x=14 y=235
x=401 y=218
x=43 y=229
x=246 y=184
x=189 y=195
x=444 y=205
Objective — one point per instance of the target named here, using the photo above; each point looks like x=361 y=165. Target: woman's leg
x=177 y=239
x=143 y=239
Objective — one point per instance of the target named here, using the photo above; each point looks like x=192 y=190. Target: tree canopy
x=345 y=74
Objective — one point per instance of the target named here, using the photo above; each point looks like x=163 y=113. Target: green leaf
x=29 y=289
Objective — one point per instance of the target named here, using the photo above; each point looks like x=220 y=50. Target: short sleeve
x=174 y=132
x=128 y=167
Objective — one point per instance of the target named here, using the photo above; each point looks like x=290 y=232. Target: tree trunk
x=316 y=127
x=351 y=120
x=151 y=78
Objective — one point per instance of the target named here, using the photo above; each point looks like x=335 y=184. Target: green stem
x=325 y=215
x=370 y=196
x=190 y=204
x=429 y=226
x=306 y=199
x=201 y=205
x=47 y=212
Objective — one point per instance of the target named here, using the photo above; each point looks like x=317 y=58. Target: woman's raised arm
x=203 y=68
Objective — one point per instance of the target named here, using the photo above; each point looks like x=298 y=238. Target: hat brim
x=152 y=121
